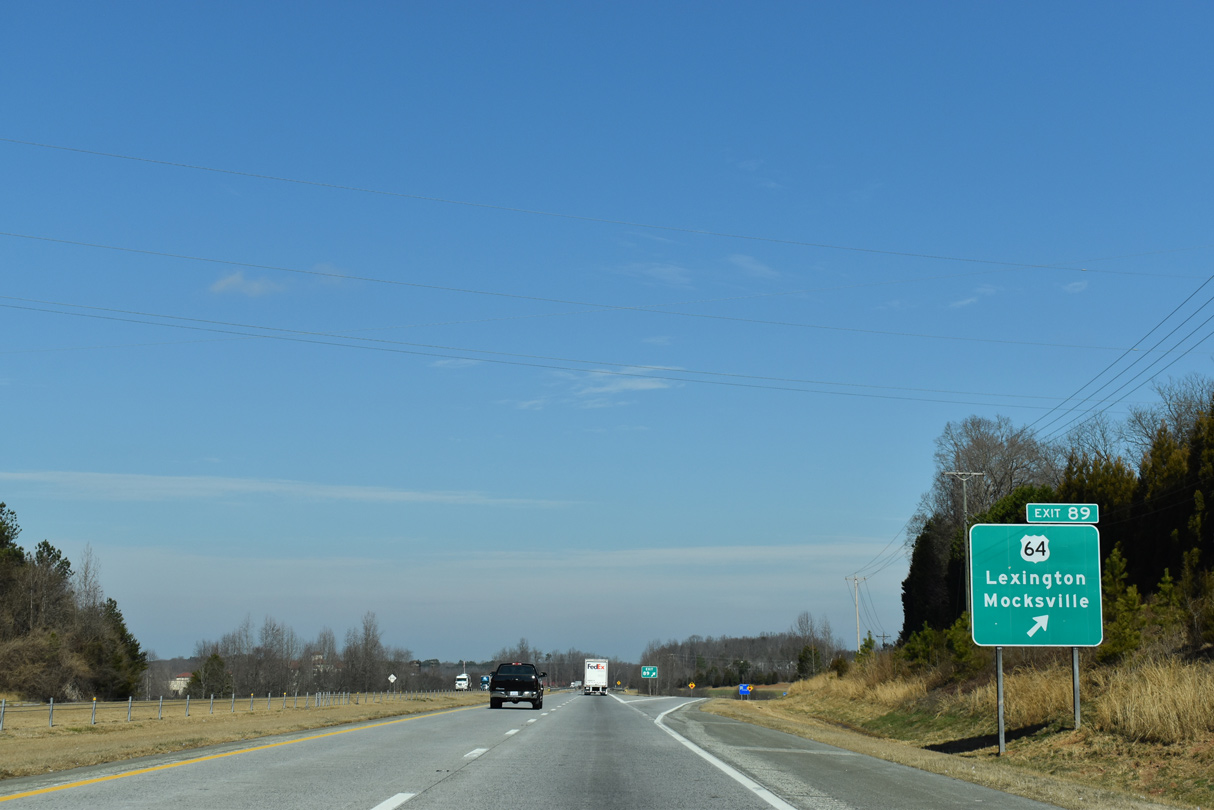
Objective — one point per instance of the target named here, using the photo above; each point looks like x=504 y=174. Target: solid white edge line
x=763 y=793
x=395 y=801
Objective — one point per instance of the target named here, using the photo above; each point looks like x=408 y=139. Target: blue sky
x=634 y=320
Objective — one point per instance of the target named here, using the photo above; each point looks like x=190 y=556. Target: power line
x=1175 y=360
x=657 y=309
x=880 y=562
x=870 y=610
x=1126 y=353
x=493 y=356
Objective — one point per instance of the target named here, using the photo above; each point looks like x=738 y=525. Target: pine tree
x=1122 y=605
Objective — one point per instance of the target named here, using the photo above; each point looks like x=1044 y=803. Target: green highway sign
x=1062 y=513
x=1035 y=585
x=649 y=672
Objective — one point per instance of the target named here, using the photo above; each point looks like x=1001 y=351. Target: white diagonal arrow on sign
x=1042 y=623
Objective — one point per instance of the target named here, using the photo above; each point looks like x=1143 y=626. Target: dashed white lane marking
x=512 y=731
x=395 y=801
x=532 y=720
x=475 y=752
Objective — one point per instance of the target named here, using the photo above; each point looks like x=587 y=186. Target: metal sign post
x=999 y=695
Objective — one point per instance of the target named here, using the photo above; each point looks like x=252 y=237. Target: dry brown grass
x=891 y=694
x=995 y=773
x=1031 y=697
x=1148 y=726
x=28 y=746
x=1164 y=701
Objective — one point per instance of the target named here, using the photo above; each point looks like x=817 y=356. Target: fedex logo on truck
x=596 y=666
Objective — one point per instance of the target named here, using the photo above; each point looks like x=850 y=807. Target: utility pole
x=857 y=581
x=965 y=530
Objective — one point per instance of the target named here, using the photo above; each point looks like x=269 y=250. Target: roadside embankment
x=1146 y=739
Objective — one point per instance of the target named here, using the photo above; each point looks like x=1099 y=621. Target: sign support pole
x=1075 y=681
x=999 y=695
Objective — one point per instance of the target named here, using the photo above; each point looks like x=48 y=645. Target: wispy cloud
x=133 y=487
x=610 y=384
x=1075 y=287
x=984 y=291
x=531 y=405
x=671 y=275
x=236 y=282
x=752 y=266
x=455 y=362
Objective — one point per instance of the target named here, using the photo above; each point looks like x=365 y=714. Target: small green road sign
x=649 y=672
x=1062 y=513
x=1035 y=585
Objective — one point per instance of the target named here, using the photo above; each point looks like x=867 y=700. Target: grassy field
x=1146 y=737
x=28 y=745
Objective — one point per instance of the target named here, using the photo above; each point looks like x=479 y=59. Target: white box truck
x=595 y=682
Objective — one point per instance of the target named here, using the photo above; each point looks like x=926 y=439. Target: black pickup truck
x=516 y=683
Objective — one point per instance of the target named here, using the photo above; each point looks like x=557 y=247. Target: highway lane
x=579 y=752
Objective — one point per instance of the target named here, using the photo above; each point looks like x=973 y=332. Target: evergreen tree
x=1166 y=608
x=926 y=589
x=868 y=649
x=1122 y=606
x=1161 y=509
x=211 y=678
x=809 y=662
x=1197 y=596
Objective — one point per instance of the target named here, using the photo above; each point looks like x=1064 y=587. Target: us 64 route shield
x=1035 y=585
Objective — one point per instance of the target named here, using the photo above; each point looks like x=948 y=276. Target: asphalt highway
x=597 y=753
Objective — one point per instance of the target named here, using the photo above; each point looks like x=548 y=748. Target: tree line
x=1152 y=477
x=805 y=649
x=60 y=637
x=273 y=659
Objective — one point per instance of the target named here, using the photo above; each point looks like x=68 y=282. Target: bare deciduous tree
x=1007 y=456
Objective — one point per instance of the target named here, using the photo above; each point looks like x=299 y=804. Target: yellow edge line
x=99 y=779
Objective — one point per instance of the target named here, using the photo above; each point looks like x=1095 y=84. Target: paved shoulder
x=815 y=776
